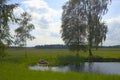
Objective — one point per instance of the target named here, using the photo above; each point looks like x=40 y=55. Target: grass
x=15 y=66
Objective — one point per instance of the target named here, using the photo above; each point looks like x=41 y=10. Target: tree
x=6 y=15
x=96 y=29
x=23 y=31
x=84 y=17
x=73 y=28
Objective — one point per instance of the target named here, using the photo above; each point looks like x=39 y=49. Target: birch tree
x=82 y=24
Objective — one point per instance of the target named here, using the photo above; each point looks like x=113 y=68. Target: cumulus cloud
x=35 y=4
x=47 y=23
x=18 y=11
x=46 y=20
x=113 y=35
x=113 y=20
x=45 y=39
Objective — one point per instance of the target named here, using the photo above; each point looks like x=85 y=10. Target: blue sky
x=46 y=16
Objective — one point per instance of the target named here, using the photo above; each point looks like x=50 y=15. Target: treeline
x=115 y=46
x=60 y=46
x=55 y=46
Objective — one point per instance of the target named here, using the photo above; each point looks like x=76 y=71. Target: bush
x=2 y=49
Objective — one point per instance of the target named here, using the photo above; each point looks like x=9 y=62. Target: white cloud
x=46 y=20
x=45 y=39
x=18 y=11
x=113 y=20
x=36 y=4
x=113 y=35
x=55 y=27
x=47 y=24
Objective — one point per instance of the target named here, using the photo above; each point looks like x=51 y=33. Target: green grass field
x=15 y=66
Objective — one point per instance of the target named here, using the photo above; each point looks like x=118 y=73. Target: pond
x=94 y=67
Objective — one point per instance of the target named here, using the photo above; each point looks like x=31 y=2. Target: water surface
x=95 y=67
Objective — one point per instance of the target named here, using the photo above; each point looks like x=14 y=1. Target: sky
x=46 y=16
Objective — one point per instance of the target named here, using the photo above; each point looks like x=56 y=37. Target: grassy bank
x=15 y=66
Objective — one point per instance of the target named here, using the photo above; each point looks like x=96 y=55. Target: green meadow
x=15 y=65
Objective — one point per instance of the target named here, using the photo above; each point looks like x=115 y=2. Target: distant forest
x=55 y=46
x=60 y=46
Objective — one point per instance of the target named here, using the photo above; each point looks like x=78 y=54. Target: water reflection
x=95 y=67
